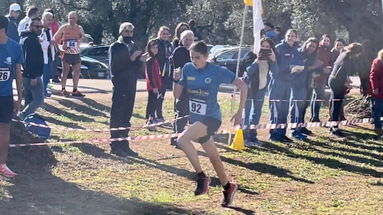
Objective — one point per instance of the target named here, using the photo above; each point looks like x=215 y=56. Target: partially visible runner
x=202 y=81
x=181 y=56
x=70 y=35
x=11 y=58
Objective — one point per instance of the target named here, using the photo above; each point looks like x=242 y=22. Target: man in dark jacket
x=125 y=63
x=181 y=56
x=14 y=13
x=33 y=68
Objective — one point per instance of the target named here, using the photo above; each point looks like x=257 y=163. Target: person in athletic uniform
x=70 y=35
x=11 y=59
x=202 y=81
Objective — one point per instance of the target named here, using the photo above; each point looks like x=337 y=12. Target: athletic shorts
x=213 y=125
x=6 y=109
x=72 y=59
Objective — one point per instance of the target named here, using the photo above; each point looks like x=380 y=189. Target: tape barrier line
x=302 y=100
x=103 y=140
x=310 y=124
x=101 y=129
x=223 y=131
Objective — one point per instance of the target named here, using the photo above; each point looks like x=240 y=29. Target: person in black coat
x=340 y=82
x=180 y=57
x=33 y=68
x=125 y=64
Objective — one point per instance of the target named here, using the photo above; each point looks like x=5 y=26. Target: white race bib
x=71 y=44
x=197 y=107
x=4 y=74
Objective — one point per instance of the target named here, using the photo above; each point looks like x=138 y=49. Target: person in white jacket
x=47 y=44
x=32 y=12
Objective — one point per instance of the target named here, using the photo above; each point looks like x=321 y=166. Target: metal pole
x=238 y=62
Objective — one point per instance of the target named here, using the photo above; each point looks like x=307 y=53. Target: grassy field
x=324 y=175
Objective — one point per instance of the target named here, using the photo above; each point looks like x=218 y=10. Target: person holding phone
x=125 y=62
x=202 y=81
x=258 y=75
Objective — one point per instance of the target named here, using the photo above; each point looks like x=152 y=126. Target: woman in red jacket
x=376 y=82
x=153 y=81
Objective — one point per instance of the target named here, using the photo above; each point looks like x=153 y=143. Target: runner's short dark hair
x=200 y=47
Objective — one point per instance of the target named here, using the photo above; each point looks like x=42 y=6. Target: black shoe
x=306 y=131
x=202 y=185
x=119 y=152
x=285 y=139
x=315 y=120
x=228 y=195
x=173 y=142
x=56 y=80
x=337 y=132
x=130 y=152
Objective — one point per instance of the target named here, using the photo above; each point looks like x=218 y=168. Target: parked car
x=90 y=68
x=228 y=58
x=99 y=53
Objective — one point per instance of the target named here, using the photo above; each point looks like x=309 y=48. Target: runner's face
x=199 y=60
x=72 y=19
x=48 y=21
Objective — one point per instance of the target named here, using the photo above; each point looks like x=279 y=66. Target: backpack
x=42 y=132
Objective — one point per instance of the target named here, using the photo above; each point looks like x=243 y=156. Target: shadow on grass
x=96 y=105
x=52 y=109
x=85 y=109
x=335 y=151
x=328 y=162
x=64 y=124
x=31 y=193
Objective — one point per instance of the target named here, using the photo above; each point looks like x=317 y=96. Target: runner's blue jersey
x=10 y=54
x=202 y=86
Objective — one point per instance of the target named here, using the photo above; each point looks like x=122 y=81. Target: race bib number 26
x=4 y=74
x=197 y=107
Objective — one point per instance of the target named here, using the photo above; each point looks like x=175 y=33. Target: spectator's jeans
x=279 y=90
x=337 y=96
x=319 y=93
x=33 y=95
x=377 y=113
x=253 y=112
x=47 y=76
x=297 y=108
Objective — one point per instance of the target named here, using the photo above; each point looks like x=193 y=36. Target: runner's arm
x=19 y=87
x=58 y=35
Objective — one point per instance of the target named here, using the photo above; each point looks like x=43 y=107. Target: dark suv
x=228 y=57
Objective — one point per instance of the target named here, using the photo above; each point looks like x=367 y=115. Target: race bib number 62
x=4 y=74
x=197 y=107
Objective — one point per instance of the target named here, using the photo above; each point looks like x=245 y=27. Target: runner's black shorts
x=72 y=59
x=212 y=124
x=6 y=109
